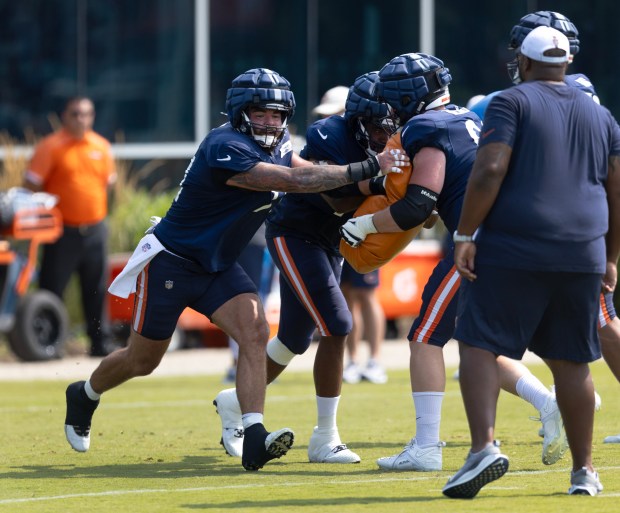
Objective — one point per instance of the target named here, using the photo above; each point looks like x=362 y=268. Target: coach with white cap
x=543 y=200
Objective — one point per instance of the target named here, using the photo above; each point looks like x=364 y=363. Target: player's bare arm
x=316 y=178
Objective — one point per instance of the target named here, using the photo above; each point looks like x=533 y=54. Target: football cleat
x=326 y=447
x=413 y=457
x=80 y=410
x=228 y=408
x=259 y=446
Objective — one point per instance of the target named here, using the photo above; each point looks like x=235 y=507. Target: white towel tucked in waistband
x=125 y=283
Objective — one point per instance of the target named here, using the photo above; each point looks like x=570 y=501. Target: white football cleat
x=413 y=457
x=228 y=408
x=327 y=448
x=79 y=442
x=555 y=443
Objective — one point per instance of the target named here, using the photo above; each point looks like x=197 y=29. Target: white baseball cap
x=333 y=102
x=541 y=39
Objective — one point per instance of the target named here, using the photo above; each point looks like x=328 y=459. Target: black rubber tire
x=41 y=327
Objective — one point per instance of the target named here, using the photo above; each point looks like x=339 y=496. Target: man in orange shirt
x=76 y=164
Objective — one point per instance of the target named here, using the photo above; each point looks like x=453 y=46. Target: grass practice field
x=155 y=449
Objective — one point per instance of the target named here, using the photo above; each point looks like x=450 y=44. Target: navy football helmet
x=264 y=88
x=548 y=19
x=540 y=19
x=413 y=83
x=363 y=112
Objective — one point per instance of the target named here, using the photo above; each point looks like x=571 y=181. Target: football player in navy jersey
x=190 y=257
x=521 y=382
x=533 y=275
x=442 y=139
x=302 y=237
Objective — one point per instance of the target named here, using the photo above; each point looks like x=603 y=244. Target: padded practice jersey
x=455 y=131
x=211 y=222
x=551 y=212
x=577 y=80
x=308 y=216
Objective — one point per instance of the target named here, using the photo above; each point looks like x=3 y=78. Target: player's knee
x=144 y=365
x=256 y=334
x=341 y=324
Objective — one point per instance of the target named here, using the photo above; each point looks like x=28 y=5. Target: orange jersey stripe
x=296 y=281
x=438 y=304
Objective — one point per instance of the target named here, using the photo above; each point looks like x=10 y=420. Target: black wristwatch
x=458 y=237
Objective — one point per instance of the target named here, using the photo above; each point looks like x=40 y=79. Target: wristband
x=458 y=237
x=364 y=170
x=377 y=185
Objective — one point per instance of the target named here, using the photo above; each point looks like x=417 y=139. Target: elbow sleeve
x=414 y=208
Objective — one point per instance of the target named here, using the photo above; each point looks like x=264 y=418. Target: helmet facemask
x=267 y=136
x=373 y=133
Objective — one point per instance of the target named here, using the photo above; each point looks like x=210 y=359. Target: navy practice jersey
x=577 y=80
x=308 y=216
x=551 y=212
x=455 y=131
x=209 y=221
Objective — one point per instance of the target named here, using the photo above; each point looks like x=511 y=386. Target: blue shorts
x=607 y=310
x=553 y=314
x=435 y=323
x=169 y=284
x=310 y=295
x=358 y=280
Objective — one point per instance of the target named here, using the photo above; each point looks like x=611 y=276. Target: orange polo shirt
x=77 y=171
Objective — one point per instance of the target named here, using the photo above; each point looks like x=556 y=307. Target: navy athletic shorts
x=435 y=323
x=169 y=284
x=553 y=314
x=310 y=295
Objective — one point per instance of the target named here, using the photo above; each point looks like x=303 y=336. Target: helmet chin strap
x=444 y=99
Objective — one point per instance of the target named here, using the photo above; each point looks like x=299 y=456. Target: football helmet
x=544 y=18
x=363 y=112
x=536 y=19
x=264 y=88
x=413 y=83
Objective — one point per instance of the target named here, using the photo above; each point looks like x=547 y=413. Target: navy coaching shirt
x=211 y=222
x=551 y=212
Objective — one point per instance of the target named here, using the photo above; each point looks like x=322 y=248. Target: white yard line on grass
x=275 y=484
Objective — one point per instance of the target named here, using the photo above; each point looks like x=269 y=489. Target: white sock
x=92 y=395
x=249 y=419
x=427 y=417
x=532 y=390
x=327 y=408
